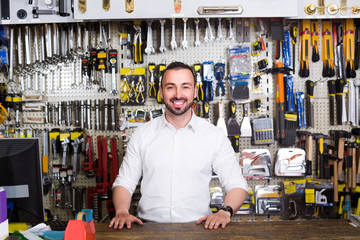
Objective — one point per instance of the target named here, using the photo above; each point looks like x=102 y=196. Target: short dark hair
x=177 y=66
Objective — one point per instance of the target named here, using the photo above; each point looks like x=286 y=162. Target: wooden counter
x=310 y=229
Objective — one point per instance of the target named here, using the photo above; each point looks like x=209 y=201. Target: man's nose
x=178 y=93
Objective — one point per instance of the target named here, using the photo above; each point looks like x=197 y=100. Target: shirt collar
x=191 y=124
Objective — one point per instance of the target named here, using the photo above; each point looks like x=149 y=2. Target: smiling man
x=176 y=154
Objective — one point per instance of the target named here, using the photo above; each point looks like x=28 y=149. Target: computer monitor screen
x=21 y=176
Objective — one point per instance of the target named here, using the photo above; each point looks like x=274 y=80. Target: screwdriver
x=293 y=34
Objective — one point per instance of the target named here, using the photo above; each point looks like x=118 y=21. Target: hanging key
x=113 y=69
x=185 y=42
x=173 y=43
x=162 y=41
x=149 y=40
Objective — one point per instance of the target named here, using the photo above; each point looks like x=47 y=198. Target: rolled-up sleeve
x=226 y=166
x=131 y=167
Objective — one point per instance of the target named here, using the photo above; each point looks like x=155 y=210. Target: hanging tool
x=149 y=40
x=308 y=147
x=152 y=89
x=161 y=69
x=221 y=121
x=45 y=162
x=88 y=114
x=277 y=34
x=206 y=110
x=304 y=55
x=300 y=103
x=113 y=114
x=88 y=162
x=351 y=103
x=199 y=82
x=310 y=103
x=233 y=127
x=290 y=96
x=101 y=58
x=138 y=49
x=208 y=77
x=339 y=86
x=219 y=31
x=76 y=110
x=197 y=34
x=320 y=154
x=185 y=42
x=106 y=114
x=220 y=75
x=97 y=114
x=173 y=43
x=245 y=127
x=280 y=103
x=65 y=148
x=338 y=32
x=17 y=105
x=315 y=40
x=209 y=37
x=332 y=91
x=293 y=34
x=76 y=161
x=286 y=50
x=339 y=137
x=124 y=90
x=162 y=36
x=113 y=65
x=86 y=72
x=349 y=46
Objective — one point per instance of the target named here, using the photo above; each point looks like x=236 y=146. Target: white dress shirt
x=177 y=166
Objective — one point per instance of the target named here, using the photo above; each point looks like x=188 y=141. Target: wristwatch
x=228 y=208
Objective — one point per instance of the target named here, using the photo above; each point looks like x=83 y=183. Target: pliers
x=199 y=86
x=124 y=92
x=152 y=90
x=137 y=45
x=140 y=89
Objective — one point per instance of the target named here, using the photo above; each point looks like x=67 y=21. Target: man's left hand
x=213 y=221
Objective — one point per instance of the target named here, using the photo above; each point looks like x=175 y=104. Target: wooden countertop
x=309 y=229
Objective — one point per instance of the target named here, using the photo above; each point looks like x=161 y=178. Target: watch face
x=228 y=209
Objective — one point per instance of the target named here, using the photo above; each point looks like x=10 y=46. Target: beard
x=178 y=110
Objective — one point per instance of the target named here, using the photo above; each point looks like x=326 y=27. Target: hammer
x=356 y=133
x=308 y=147
x=320 y=151
x=339 y=137
x=330 y=157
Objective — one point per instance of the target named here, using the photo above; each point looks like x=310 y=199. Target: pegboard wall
x=70 y=72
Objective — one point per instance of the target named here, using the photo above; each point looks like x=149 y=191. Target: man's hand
x=213 y=221
x=124 y=218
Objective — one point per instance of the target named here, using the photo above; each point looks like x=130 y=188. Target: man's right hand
x=121 y=219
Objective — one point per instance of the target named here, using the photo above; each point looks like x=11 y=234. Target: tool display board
x=214 y=51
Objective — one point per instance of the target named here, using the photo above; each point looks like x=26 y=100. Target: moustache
x=178 y=99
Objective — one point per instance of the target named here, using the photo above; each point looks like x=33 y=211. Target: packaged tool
x=286 y=50
x=300 y=103
x=216 y=198
x=239 y=69
x=290 y=162
x=220 y=76
x=290 y=101
x=208 y=77
x=256 y=163
x=319 y=192
x=268 y=199
x=132 y=86
x=293 y=199
x=248 y=206
x=263 y=131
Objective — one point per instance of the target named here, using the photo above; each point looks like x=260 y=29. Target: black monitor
x=21 y=177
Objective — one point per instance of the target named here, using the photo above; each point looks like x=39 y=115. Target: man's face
x=178 y=90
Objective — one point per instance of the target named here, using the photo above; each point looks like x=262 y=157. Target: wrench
x=97 y=114
x=76 y=163
x=53 y=145
x=149 y=41
x=47 y=115
x=69 y=113
x=219 y=32
x=106 y=110
x=231 y=30
x=65 y=147
x=88 y=108
x=173 y=36
x=185 y=42
x=53 y=113
x=208 y=35
x=162 y=44
x=82 y=114
x=197 y=38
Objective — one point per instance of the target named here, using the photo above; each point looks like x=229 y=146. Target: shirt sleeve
x=226 y=166
x=131 y=167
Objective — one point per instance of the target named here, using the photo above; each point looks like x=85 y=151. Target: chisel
x=339 y=86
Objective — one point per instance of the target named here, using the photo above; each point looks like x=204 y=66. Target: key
x=162 y=44
x=185 y=42
x=173 y=36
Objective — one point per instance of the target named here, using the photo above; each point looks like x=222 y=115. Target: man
x=176 y=154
